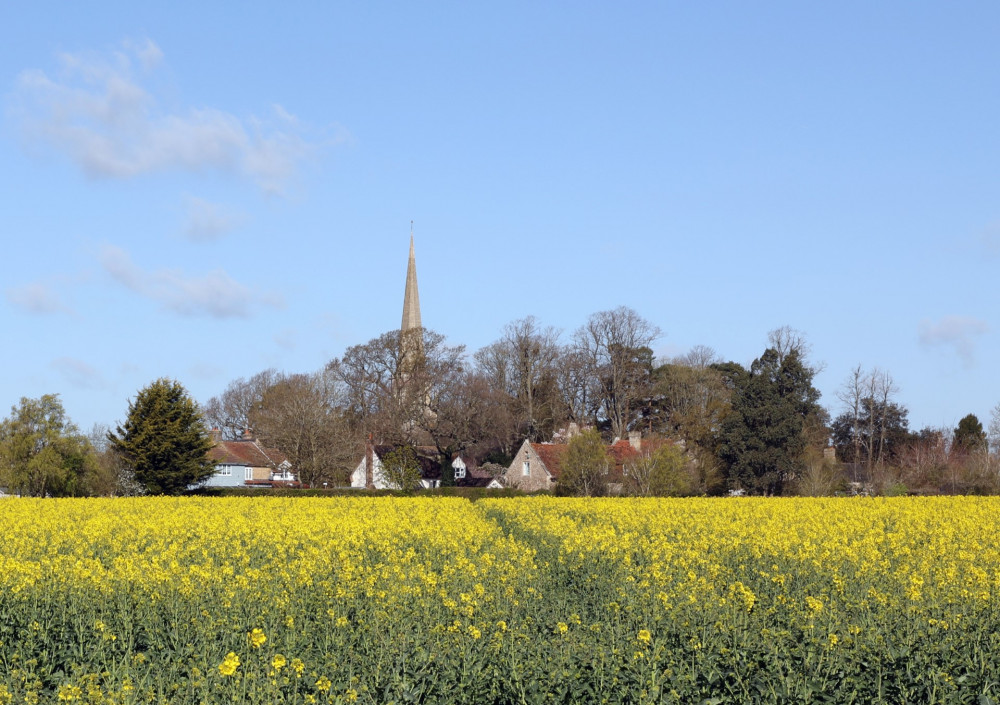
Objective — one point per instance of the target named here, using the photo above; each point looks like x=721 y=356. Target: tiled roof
x=246 y=452
x=621 y=452
x=474 y=477
x=551 y=455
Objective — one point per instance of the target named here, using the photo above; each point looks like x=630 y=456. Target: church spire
x=411 y=298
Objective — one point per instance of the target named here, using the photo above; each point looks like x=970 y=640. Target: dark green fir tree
x=164 y=439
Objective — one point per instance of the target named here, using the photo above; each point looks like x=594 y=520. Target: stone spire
x=411 y=299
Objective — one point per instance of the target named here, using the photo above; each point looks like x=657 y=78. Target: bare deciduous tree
x=392 y=382
x=993 y=438
x=522 y=364
x=786 y=340
x=230 y=412
x=699 y=357
x=461 y=414
x=615 y=346
x=691 y=396
x=579 y=391
x=302 y=415
x=851 y=394
x=993 y=430
x=868 y=397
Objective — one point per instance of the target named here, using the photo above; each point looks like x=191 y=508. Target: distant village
x=512 y=416
x=596 y=414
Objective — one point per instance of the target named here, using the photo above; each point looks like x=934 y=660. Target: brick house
x=246 y=462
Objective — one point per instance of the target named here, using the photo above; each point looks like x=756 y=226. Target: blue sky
x=201 y=194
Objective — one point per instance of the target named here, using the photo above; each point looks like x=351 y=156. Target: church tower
x=409 y=379
x=411 y=297
x=411 y=333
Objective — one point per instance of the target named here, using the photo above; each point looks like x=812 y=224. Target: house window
x=224 y=470
x=249 y=474
x=526 y=468
x=459 y=472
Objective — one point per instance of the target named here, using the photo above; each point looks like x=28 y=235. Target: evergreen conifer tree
x=164 y=439
x=762 y=438
x=970 y=436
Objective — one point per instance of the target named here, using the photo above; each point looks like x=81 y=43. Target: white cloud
x=958 y=332
x=36 y=298
x=214 y=294
x=149 y=55
x=78 y=373
x=205 y=221
x=280 y=111
x=97 y=111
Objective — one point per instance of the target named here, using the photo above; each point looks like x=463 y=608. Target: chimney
x=216 y=434
x=635 y=439
x=574 y=430
x=247 y=434
x=370 y=463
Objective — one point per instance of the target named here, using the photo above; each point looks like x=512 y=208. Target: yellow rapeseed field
x=530 y=600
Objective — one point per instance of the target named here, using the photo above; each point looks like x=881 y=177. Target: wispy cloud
x=214 y=294
x=286 y=339
x=990 y=239
x=206 y=370
x=206 y=221
x=957 y=332
x=146 y=51
x=97 y=110
x=36 y=298
x=78 y=373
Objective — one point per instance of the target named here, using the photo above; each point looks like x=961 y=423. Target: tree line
x=756 y=429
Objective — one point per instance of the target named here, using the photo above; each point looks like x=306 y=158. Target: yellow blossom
x=68 y=693
x=229 y=664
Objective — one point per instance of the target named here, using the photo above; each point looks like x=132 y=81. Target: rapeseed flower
x=229 y=664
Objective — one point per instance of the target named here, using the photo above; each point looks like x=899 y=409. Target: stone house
x=537 y=466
